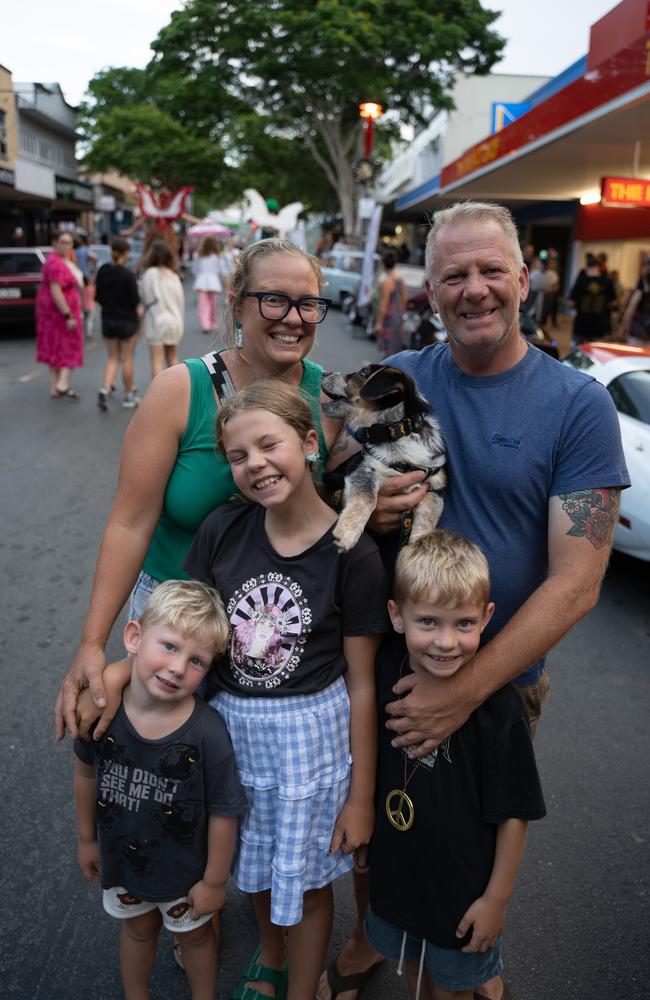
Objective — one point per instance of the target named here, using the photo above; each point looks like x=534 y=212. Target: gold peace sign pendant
x=400 y=809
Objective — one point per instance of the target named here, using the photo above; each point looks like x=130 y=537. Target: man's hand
x=488 y=918
x=353 y=829
x=398 y=494
x=429 y=711
x=88 y=859
x=206 y=898
x=86 y=671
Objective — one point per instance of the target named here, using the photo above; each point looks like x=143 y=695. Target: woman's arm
x=148 y=457
x=355 y=822
x=60 y=302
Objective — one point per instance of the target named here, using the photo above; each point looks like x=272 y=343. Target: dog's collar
x=385 y=433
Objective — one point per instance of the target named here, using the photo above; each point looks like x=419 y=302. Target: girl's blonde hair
x=274 y=396
x=446 y=564
x=191 y=608
x=243 y=266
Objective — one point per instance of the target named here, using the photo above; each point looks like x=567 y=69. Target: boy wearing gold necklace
x=451 y=826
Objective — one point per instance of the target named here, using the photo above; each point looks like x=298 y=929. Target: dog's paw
x=346 y=536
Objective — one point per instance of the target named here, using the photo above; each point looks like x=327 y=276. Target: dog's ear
x=383 y=383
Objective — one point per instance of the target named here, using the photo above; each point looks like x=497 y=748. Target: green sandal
x=254 y=972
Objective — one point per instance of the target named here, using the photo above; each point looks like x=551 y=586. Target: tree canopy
x=236 y=91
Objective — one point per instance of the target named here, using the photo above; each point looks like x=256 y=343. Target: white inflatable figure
x=257 y=211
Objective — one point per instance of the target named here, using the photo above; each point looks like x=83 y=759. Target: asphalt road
x=578 y=924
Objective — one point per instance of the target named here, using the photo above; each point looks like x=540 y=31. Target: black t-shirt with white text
x=154 y=798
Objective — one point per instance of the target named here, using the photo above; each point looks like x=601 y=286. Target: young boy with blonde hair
x=451 y=826
x=161 y=790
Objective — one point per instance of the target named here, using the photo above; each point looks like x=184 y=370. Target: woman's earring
x=239 y=335
x=312 y=458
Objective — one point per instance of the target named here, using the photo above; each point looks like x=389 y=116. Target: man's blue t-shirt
x=513 y=441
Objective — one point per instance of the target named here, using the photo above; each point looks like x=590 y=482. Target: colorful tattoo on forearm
x=594 y=514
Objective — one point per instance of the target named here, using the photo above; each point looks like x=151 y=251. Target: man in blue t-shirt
x=535 y=468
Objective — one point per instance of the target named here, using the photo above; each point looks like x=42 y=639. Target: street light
x=369 y=111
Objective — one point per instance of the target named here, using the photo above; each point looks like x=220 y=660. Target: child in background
x=451 y=826
x=161 y=790
x=297 y=688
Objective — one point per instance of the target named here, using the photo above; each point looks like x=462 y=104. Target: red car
x=20 y=277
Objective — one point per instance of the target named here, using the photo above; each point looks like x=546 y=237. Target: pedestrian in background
x=162 y=296
x=59 y=327
x=87 y=263
x=117 y=294
x=393 y=299
x=592 y=297
x=636 y=319
x=211 y=270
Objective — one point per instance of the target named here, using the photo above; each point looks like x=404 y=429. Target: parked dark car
x=20 y=277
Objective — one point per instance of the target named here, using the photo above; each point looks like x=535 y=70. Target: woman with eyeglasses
x=171 y=476
x=59 y=326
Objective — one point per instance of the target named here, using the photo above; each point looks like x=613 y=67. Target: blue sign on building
x=505 y=114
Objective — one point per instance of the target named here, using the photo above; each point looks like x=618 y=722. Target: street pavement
x=577 y=926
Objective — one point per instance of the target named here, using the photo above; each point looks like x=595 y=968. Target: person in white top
x=161 y=293
x=211 y=270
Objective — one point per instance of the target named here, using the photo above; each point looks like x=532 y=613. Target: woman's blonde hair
x=190 y=607
x=243 y=266
x=446 y=564
x=274 y=396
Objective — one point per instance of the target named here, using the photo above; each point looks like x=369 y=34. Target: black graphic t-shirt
x=288 y=614
x=154 y=798
x=423 y=879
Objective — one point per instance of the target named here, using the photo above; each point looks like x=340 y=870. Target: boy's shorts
x=452 y=969
x=118 y=902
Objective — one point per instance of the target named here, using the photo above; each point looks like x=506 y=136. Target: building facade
x=40 y=190
x=574 y=166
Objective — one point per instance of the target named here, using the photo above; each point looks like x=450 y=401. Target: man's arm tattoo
x=594 y=514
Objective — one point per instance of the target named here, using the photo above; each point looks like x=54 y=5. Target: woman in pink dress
x=59 y=327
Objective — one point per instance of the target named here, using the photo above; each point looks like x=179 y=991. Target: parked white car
x=625 y=372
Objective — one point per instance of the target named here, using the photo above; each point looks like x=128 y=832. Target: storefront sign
x=73 y=191
x=625 y=191
x=7 y=177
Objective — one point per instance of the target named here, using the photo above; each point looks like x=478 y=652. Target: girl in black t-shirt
x=297 y=685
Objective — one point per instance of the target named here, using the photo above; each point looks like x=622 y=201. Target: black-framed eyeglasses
x=277 y=305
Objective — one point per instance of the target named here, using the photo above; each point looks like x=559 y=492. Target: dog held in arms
x=381 y=408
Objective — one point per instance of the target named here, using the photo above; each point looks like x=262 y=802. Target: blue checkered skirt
x=293 y=756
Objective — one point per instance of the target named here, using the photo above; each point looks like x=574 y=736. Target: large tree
x=306 y=64
x=252 y=94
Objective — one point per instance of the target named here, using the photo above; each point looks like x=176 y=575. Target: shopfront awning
x=596 y=126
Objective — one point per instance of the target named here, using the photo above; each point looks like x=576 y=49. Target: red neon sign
x=631 y=191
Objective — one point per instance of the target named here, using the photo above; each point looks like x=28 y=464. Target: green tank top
x=201 y=479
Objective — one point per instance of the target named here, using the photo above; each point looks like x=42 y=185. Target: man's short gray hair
x=467 y=212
